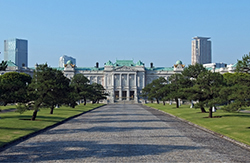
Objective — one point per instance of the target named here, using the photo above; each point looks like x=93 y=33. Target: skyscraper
x=201 y=50
x=63 y=60
x=16 y=51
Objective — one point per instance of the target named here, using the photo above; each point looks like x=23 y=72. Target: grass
x=14 y=125
x=7 y=107
x=233 y=125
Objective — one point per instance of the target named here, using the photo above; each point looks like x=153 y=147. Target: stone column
x=128 y=88
x=135 y=88
x=105 y=81
x=113 y=80
x=128 y=80
x=120 y=87
x=112 y=99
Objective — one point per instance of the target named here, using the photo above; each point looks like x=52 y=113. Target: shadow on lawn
x=13 y=128
x=41 y=118
x=240 y=115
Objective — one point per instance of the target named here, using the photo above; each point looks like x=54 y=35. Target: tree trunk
x=85 y=100
x=210 y=112
x=203 y=110
x=177 y=103
x=163 y=102
x=51 y=110
x=34 y=115
x=157 y=101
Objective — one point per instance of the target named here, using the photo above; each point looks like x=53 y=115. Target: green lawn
x=233 y=125
x=7 y=107
x=14 y=125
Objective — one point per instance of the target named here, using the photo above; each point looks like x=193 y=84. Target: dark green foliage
x=72 y=97
x=81 y=86
x=59 y=93
x=98 y=93
x=154 y=90
x=244 y=64
x=236 y=93
x=48 y=88
x=178 y=83
x=192 y=71
x=206 y=90
x=3 y=65
x=13 y=87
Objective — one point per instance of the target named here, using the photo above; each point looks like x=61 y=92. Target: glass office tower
x=16 y=51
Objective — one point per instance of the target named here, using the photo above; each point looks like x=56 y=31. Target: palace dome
x=178 y=62
x=69 y=62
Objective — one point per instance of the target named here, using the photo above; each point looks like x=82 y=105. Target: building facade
x=124 y=79
x=63 y=60
x=201 y=50
x=16 y=51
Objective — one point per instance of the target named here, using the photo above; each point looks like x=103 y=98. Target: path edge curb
x=19 y=140
x=207 y=130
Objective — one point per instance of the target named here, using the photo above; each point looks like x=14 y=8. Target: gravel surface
x=125 y=133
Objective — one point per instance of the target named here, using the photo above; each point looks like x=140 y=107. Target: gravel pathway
x=125 y=133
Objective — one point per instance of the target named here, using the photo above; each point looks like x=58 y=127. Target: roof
x=90 y=68
x=178 y=62
x=11 y=64
x=124 y=63
x=160 y=69
x=197 y=37
x=234 y=65
x=139 y=63
x=69 y=62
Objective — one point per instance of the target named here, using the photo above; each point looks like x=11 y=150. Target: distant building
x=124 y=79
x=16 y=51
x=63 y=60
x=201 y=50
x=215 y=65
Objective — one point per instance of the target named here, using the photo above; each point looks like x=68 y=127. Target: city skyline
x=150 y=31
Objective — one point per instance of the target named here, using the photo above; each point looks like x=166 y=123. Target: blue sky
x=158 y=31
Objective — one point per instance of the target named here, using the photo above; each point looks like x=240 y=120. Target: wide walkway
x=125 y=133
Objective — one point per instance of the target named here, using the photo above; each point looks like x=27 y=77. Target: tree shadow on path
x=64 y=150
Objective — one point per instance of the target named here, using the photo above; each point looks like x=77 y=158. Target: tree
x=46 y=90
x=59 y=93
x=13 y=86
x=236 y=92
x=177 y=84
x=206 y=90
x=193 y=71
x=153 y=90
x=81 y=86
x=244 y=64
x=72 y=97
x=190 y=92
x=3 y=66
x=98 y=93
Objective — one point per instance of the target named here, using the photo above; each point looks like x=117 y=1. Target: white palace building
x=123 y=80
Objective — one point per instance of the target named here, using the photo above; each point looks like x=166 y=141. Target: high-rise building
x=201 y=50
x=16 y=51
x=64 y=59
